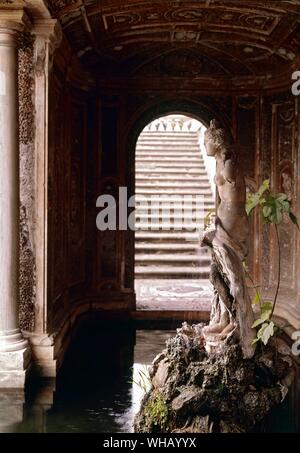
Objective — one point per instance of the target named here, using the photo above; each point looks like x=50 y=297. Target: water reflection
x=95 y=390
x=11 y=410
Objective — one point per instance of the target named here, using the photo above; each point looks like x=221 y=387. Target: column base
x=14 y=367
x=12 y=340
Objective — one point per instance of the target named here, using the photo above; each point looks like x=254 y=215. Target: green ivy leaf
x=267 y=307
x=257 y=323
x=257 y=298
x=255 y=199
x=266 y=312
x=261 y=330
x=267 y=210
x=265 y=317
x=282 y=196
x=267 y=332
x=286 y=206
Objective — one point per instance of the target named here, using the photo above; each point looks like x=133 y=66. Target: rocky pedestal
x=193 y=392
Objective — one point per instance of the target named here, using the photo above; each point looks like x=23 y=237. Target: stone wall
x=68 y=125
x=278 y=159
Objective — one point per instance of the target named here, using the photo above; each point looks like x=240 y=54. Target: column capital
x=13 y=22
x=49 y=30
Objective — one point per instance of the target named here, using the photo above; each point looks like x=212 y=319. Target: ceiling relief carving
x=237 y=38
x=185 y=36
x=112 y=21
x=181 y=63
x=263 y=23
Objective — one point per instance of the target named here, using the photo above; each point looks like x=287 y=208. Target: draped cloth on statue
x=231 y=316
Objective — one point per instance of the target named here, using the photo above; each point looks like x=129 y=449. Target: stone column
x=48 y=35
x=14 y=352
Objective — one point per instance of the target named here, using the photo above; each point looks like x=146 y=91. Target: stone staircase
x=169 y=165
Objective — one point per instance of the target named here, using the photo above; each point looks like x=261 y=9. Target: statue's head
x=216 y=139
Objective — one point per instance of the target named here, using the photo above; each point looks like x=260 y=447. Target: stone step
x=183 y=179
x=168 y=176
x=167 y=162
x=172 y=249
x=162 y=185
x=171 y=134
x=171 y=163
x=168 y=138
x=169 y=226
x=170 y=200
x=172 y=235
x=165 y=172
x=173 y=155
x=176 y=166
x=145 y=213
x=172 y=191
x=178 y=147
x=168 y=141
x=167 y=248
x=174 y=172
x=169 y=147
x=170 y=154
x=190 y=135
x=173 y=259
x=161 y=202
x=165 y=215
x=165 y=139
x=171 y=272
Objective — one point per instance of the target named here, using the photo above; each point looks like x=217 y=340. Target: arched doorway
x=174 y=195
x=203 y=109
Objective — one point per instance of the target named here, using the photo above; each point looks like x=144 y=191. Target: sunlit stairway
x=169 y=163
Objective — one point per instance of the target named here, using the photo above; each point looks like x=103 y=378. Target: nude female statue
x=232 y=316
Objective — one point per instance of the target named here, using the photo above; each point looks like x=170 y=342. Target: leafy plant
x=143 y=381
x=274 y=207
x=158 y=411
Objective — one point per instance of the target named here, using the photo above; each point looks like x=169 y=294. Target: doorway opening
x=174 y=194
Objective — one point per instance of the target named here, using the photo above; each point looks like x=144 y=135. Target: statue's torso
x=231 y=210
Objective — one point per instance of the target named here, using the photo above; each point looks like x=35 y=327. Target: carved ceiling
x=232 y=38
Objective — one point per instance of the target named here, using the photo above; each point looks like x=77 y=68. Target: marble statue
x=232 y=315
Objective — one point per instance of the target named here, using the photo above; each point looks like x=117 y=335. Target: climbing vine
x=274 y=208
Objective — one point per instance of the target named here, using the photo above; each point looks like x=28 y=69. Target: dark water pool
x=95 y=391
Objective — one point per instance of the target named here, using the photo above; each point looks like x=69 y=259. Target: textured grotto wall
x=26 y=135
x=278 y=160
